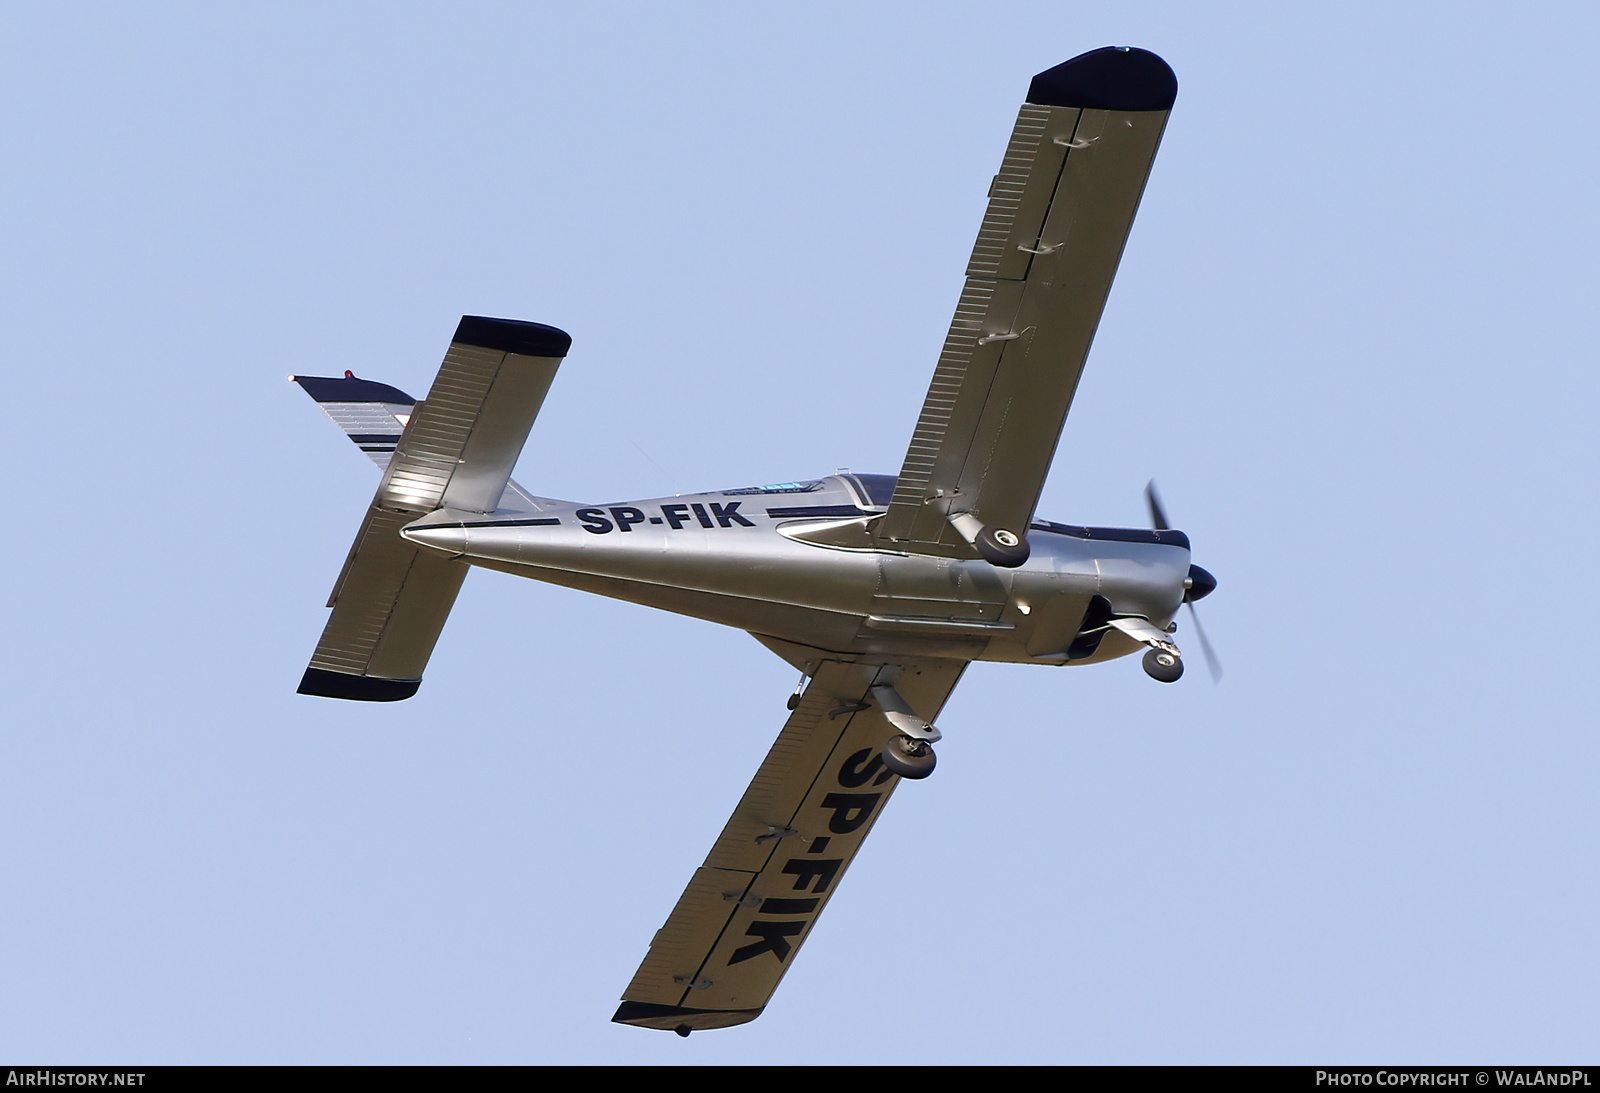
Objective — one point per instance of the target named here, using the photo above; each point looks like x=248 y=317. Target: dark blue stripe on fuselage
x=816 y=511
x=539 y=522
x=1114 y=535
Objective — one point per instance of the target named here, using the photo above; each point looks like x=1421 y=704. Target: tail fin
x=371 y=414
x=455 y=450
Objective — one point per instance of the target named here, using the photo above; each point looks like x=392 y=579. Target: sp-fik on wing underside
x=752 y=904
x=1059 y=214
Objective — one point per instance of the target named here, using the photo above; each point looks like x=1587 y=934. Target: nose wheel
x=908 y=757
x=1163 y=666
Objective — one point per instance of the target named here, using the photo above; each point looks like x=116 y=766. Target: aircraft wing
x=1059 y=214
x=779 y=860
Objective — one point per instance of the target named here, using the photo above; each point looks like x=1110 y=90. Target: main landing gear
x=909 y=753
x=996 y=545
x=908 y=757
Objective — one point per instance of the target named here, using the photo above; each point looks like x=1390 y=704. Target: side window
x=877 y=487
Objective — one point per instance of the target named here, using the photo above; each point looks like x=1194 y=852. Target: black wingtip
x=513 y=336
x=1113 y=78
x=679 y=1018
x=326 y=684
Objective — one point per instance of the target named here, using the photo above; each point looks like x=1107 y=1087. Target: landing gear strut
x=909 y=758
x=1163 y=666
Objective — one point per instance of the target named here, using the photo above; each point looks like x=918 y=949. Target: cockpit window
x=878 y=487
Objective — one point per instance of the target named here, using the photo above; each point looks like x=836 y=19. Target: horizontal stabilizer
x=459 y=447
x=454 y=449
x=391 y=604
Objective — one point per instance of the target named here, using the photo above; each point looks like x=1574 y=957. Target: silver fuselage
x=782 y=562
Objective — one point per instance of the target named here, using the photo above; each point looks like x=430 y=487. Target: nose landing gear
x=1163 y=662
x=1163 y=666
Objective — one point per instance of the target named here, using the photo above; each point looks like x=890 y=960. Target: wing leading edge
x=735 y=930
x=1058 y=218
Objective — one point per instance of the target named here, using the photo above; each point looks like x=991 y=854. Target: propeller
x=1158 y=515
x=1197 y=585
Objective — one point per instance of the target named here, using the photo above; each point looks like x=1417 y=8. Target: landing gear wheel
x=1163 y=666
x=909 y=758
x=1002 y=547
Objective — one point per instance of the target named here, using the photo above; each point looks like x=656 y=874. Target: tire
x=1169 y=672
x=913 y=759
x=1002 y=547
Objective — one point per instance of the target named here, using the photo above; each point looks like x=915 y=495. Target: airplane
x=878 y=589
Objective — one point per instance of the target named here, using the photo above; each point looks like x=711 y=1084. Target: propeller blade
x=1205 y=647
x=1158 y=515
x=1199 y=585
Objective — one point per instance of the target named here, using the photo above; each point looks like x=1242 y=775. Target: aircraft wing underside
x=747 y=910
x=1059 y=215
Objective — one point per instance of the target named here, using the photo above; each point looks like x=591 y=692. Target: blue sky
x=1352 y=337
